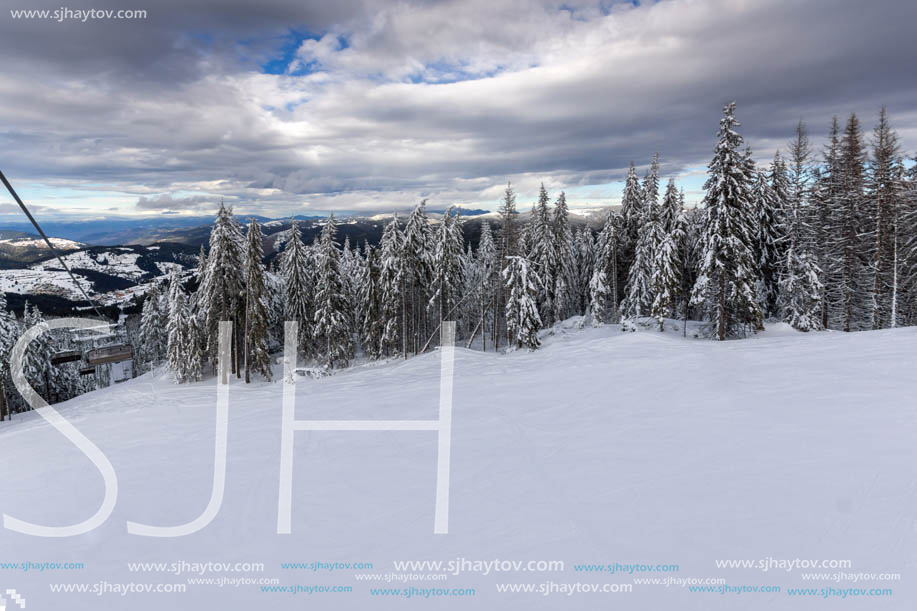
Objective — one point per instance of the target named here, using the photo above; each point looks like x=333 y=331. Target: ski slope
x=602 y=448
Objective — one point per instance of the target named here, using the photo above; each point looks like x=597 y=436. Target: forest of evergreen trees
x=820 y=238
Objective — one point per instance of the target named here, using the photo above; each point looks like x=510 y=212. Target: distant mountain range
x=117 y=260
x=192 y=230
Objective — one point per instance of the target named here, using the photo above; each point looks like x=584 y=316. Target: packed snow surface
x=601 y=448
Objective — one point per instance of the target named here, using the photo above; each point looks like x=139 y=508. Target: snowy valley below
x=601 y=448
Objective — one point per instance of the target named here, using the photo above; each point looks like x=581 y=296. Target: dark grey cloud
x=389 y=102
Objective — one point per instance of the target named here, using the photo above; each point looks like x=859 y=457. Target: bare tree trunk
x=404 y=322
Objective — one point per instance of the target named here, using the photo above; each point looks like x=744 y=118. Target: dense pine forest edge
x=822 y=238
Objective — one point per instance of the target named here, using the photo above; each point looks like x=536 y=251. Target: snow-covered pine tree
x=670 y=208
x=417 y=252
x=487 y=261
x=769 y=228
x=632 y=215
x=9 y=335
x=507 y=246
x=332 y=331
x=352 y=273
x=725 y=286
x=798 y=179
x=543 y=256
x=825 y=202
x=196 y=343
x=298 y=280
x=907 y=227
x=197 y=299
x=801 y=287
x=257 y=357
x=801 y=290
x=447 y=265
x=180 y=343
x=603 y=285
x=372 y=324
x=152 y=322
x=175 y=285
x=566 y=279
x=850 y=229
x=638 y=294
x=36 y=364
x=778 y=181
x=522 y=286
x=276 y=307
x=885 y=188
x=585 y=265
x=651 y=185
x=222 y=290
x=392 y=284
x=668 y=270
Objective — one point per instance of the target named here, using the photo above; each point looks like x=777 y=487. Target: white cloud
x=564 y=94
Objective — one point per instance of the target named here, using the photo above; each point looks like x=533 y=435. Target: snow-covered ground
x=47 y=277
x=120 y=262
x=601 y=448
x=59 y=243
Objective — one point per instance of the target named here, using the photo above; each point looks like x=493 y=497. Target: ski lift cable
x=41 y=232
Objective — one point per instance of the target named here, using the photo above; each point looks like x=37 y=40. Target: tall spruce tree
x=885 y=187
x=566 y=277
x=849 y=228
x=585 y=265
x=826 y=201
x=671 y=207
x=9 y=335
x=667 y=284
x=487 y=257
x=299 y=283
x=372 y=324
x=768 y=238
x=632 y=202
x=725 y=287
x=638 y=294
x=447 y=265
x=179 y=343
x=603 y=285
x=507 y=246
x=222 y=290
x=36 y=364
x=543 y=256
x=152 y=322
x=257 y=356
x=332 y=331
x=802 y=289
x=417 y=251
x=798 y=190
x=393 y=284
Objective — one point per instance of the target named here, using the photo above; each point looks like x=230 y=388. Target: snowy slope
x=39 y=243
x=603 y=447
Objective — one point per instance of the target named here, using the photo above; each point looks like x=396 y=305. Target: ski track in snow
x=602 y=447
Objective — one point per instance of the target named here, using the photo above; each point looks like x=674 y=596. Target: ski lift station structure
x=97 y=350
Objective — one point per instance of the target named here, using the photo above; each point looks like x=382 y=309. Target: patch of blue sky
x=285 y=54
x=443 y=72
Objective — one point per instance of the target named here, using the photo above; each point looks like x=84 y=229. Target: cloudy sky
x=302 y=106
